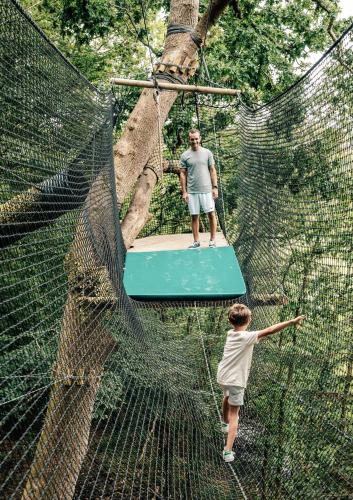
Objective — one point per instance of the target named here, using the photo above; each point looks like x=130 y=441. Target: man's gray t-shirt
x=197 y=163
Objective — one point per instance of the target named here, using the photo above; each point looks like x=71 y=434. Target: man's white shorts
x=235 y=393
x=205 y=200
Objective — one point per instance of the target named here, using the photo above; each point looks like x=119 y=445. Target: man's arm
x=183 y=179
x=213 y=174
x=279 y=326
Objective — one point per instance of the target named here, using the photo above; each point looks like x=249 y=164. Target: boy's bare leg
x=225 y=408
x=195 y=224
x=213 y=224
x=233 y=416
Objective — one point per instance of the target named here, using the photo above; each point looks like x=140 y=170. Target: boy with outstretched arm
x=234 y=368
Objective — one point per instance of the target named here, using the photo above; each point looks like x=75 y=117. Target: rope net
x=104 y=397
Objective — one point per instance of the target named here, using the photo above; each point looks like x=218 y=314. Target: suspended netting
x=104 y=397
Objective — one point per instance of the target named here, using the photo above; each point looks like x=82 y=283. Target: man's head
x=239 y=315
x=194 y=139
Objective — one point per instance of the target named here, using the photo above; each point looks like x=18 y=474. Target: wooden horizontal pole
x=174 y=86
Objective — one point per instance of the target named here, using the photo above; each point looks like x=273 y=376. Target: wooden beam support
x=268 y=299
x=174 y=86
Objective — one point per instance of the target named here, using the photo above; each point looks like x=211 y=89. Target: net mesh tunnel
x=103 y=397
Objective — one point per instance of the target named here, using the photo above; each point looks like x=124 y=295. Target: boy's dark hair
x=239 y=315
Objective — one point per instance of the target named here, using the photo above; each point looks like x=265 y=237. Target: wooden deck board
x=173 y=242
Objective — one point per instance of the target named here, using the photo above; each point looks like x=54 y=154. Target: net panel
x=295 y=211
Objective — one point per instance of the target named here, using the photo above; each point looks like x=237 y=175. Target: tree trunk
x=138 y=213
x=63 y=442
x=84 y=347
x=84 y=344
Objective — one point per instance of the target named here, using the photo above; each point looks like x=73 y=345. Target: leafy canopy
x=258 y=46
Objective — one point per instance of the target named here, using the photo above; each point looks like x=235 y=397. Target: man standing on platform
x=198 y=177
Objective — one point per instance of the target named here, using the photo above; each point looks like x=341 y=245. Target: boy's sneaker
x=224 y=427
x=212 y=244
x=228 y=455
x=196 y=244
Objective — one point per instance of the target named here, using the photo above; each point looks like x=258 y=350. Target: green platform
x=201 y=274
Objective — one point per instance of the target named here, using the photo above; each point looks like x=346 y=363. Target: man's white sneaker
x=224 y=427
x=196 y=244
x=212 y=244
x=228 y=455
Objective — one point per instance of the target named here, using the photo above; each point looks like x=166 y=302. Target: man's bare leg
x=233 y=416
x=213 y=224
x=195 y=224
x=225 y=408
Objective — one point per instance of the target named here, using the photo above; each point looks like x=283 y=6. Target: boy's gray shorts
x=235 y=393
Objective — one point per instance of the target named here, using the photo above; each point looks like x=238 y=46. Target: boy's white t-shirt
x=236 y=362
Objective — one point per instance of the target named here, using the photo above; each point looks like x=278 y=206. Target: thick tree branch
x=323 y=6
x=211 y=16
x=268 y=299
x=138 y=214
x=41 y=205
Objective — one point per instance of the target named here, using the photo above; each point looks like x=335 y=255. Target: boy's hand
x=298 y=320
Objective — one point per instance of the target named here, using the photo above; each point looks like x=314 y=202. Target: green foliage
x=102 y=38
x=109 y=396
x=258 y=47
x=86 y=20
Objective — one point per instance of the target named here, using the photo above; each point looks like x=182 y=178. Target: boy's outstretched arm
x=280 y=326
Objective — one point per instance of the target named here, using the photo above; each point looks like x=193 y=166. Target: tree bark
x=42 y=204
x=84 y=344
x=138 y=212
x=63 y=442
